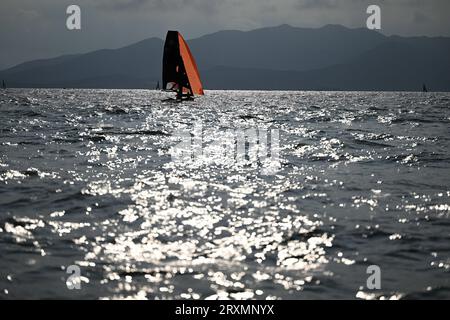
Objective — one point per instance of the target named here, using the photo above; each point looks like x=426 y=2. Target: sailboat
x=424 y=88
x=3 y=84
x=180 y=72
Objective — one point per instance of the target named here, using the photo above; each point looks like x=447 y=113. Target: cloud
x=36 y=29
x=419 y=17
x=313 y=4
x=132 y=4
x=160 y=5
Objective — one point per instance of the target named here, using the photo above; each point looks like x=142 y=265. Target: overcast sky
x=31 y=29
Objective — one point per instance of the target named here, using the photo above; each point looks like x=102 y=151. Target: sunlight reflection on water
x=93 y=183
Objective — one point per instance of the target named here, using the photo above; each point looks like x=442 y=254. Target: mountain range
x=332 y=57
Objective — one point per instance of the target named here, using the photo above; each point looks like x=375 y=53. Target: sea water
x=90 y=188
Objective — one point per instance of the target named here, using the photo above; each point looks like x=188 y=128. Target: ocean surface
x=93 y=181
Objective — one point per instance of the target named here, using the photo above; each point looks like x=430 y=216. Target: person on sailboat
x=183 y=82
x=179 y=93
x=183 y=96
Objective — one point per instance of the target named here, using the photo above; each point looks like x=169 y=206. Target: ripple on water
x=87 y=178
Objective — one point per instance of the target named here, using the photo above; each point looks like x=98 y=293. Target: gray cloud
x=160 y=5
x=309 y=4
x=36 y=29
x=419 y=17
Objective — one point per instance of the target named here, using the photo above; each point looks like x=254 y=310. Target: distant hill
x=277 y=58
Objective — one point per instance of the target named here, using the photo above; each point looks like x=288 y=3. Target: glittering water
x=87 y=179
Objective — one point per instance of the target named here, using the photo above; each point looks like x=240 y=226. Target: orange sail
x=180 y=72
x=191 y=67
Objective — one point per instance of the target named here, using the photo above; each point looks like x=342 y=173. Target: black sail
x=174 y=73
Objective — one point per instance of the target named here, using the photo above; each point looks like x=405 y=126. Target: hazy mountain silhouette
x=328 y=58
